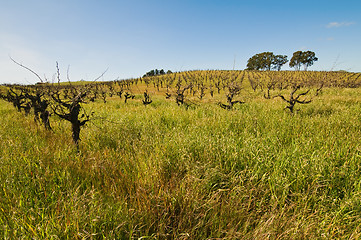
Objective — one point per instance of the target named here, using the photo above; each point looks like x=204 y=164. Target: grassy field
x=164 y=171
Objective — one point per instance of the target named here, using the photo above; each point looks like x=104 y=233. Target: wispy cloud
x=339 y=24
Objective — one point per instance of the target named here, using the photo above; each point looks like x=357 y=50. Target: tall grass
x=168 y=172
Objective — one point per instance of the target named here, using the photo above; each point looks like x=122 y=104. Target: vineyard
x=189 y=155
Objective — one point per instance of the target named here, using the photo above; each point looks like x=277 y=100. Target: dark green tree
x=260 y=61
x=300 y=58
x=266 y=61
x=156 y=72
x=296 y=60
x=309 y=58
x=279 y=61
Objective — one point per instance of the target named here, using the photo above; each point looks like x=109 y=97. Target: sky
x=127 y=38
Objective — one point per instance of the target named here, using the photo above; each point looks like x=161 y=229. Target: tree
x=266 y=61
x=156 y=72
x=309 y=59
x=296 y=60
x=300 y=58
x=279 y=61
x=260 y=61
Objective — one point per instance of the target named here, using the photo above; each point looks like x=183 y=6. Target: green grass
x=168 y=172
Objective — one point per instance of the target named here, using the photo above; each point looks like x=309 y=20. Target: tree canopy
x=306 y=58
x=156 y=72
x=266 y=61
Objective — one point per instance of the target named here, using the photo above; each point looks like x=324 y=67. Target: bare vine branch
x=29 y=69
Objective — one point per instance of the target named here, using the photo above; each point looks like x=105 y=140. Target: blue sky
x=131 y=37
